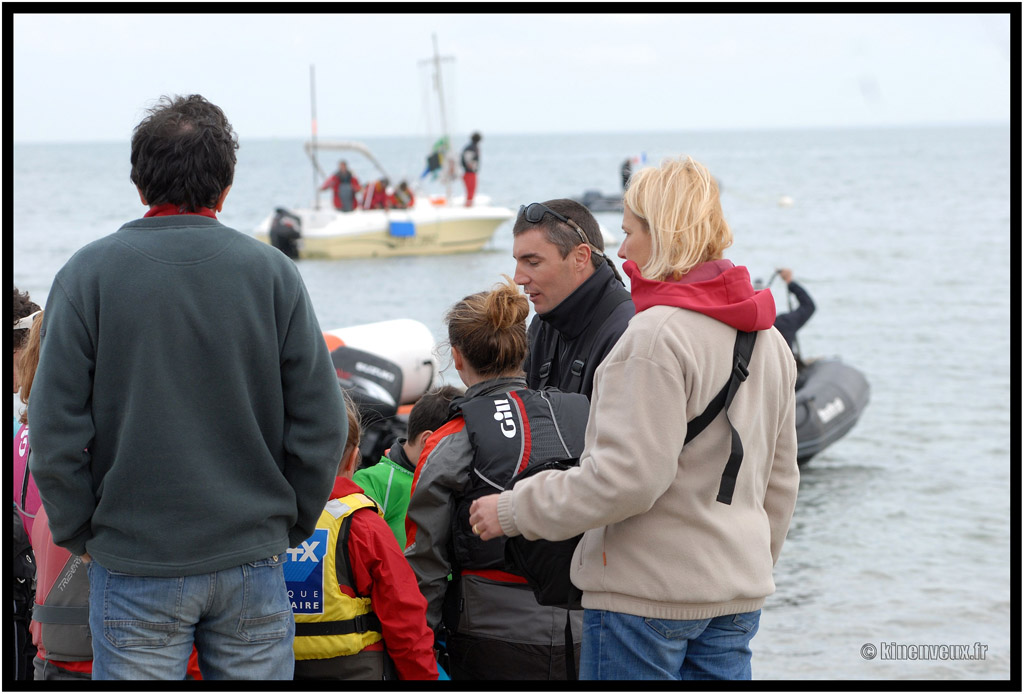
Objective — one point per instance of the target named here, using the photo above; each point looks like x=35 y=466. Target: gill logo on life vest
x=503 y=414
x=303 y=552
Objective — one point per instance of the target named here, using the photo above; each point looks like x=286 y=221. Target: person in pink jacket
x=26 y=314
x=678 y=547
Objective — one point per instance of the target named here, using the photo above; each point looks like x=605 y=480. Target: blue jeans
x=619 y=646
x=240 y=619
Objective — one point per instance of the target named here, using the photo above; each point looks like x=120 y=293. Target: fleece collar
x=169 y=208
x=717 y=289
x=572 y=315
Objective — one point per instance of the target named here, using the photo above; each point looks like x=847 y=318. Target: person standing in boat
x=581 y=303
x=789 y=323
x=345 y=186
x=679 y=545
x=626 y=171
x=186 y=418
x=471 y=165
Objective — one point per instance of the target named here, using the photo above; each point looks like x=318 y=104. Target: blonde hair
x=28 y=360
x=489 y=328
x=679 y=202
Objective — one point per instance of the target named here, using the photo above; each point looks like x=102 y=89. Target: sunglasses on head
x=535 y=211
x=26 y=322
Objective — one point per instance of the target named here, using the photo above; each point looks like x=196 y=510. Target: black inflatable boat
x=594 y=201
x=830 y=397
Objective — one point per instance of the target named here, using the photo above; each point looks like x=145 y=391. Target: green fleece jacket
x=389 y=483
x=186 y=417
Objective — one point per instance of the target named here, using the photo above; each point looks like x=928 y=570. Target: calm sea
x=902 y=531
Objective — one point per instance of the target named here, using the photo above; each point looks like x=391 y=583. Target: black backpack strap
x=341 y=549
x=544 y=373
x=608 y=303
x=742 y=349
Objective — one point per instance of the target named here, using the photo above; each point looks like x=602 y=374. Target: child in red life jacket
x=358 y=611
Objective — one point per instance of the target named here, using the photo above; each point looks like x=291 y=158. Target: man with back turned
x=187 y=422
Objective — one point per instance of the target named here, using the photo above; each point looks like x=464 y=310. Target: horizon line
x=563 y=133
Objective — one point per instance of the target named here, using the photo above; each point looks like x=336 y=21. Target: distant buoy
x=785 y=201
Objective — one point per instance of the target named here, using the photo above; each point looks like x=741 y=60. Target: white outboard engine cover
x=406 y=342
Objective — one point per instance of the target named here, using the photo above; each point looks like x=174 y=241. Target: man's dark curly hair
x=23 y=306
x=183 y=153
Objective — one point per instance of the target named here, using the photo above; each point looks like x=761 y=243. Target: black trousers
x=478 y=658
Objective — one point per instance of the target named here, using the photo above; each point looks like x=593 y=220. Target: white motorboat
x=434 y=224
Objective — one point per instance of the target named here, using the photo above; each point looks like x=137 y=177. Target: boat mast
x=312 y=105
x=444 y=122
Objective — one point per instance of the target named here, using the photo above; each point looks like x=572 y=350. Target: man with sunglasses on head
x=581 y=304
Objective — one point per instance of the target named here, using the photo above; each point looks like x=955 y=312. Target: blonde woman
x=679 y=547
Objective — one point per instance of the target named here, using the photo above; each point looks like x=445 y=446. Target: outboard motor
x=385 y=367
x=285 y=232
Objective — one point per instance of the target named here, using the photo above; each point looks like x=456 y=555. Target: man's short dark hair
x=431 y=410
x=561 y=234
x=183 y=153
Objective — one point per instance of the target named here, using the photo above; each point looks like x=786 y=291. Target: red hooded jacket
x=718 y=289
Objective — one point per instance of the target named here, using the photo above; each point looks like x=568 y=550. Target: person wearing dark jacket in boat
x=470 y=166
x=581 y=304
x=789 y=323
x=345 y=186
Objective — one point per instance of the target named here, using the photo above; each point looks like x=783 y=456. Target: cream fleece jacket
x=657 y=543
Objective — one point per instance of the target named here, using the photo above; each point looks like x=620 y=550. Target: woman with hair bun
x=489 y=619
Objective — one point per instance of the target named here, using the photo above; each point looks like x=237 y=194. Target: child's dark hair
x=431 y=410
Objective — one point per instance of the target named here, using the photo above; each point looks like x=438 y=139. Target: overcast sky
x=88 y=77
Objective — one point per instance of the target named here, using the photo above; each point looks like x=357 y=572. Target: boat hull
x=830 y=398
x=424 y=230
